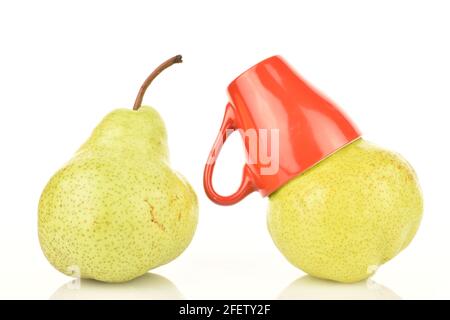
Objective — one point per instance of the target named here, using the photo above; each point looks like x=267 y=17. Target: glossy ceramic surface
x=273 y=97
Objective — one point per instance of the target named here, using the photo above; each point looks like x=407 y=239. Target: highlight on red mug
x=272 y=99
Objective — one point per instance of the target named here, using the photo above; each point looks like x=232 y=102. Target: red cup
x=282 y=119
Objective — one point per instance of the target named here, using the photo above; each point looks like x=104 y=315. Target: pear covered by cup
x=339 y=206
x=117 y=209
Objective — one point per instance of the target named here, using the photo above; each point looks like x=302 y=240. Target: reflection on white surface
x=150 y=286
x=310 y=288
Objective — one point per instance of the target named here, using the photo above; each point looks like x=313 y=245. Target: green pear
x=117 y=209
x=346 y=216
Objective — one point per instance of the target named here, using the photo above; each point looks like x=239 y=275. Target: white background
x=63 y=66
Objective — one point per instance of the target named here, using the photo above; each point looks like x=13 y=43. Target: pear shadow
x=310 y=288
x=149 y=286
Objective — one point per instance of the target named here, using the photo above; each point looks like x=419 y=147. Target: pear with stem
x=117 y=209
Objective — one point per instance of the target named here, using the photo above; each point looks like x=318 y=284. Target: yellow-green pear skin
x=116 y=209
x=346 y=216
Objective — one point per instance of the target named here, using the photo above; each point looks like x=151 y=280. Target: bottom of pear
x=112 y=221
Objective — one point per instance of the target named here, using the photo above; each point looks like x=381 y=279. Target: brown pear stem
x=153 y=75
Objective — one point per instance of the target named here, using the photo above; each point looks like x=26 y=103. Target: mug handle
x=247 y=186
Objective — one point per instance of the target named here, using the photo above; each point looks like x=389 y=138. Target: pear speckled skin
x=347 y=215
x=117 y=210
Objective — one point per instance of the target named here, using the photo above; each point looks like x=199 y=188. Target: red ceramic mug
x=287 y=127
